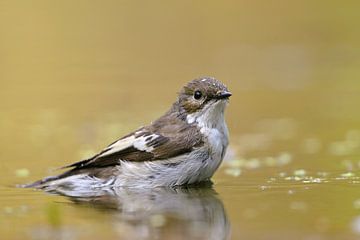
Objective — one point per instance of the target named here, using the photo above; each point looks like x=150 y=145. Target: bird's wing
x=146 y=144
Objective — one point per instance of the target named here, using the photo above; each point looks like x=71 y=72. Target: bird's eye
x=197 y=95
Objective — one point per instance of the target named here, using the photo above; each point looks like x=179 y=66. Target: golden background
x=76 y=75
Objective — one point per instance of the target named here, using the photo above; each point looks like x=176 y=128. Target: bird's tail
x=42 y=183
x=72 y=183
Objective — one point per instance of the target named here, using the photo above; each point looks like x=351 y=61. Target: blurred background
x=76 y=75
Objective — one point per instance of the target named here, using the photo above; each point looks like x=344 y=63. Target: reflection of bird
x=160 y=213
x=186 y=145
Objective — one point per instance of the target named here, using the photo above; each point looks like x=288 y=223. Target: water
x=76 y=76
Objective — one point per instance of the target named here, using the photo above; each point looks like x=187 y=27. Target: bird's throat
x=210 y=117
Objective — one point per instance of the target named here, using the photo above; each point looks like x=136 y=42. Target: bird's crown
x=197 y=93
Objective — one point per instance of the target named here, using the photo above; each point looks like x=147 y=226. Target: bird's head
x=204 y=97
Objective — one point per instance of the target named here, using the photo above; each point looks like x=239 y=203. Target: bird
x=184 y=146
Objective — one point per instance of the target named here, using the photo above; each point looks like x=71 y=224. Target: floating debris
x=270 y=161
x=236 y=163
x=284 y=158
x=300 y=172
x=235 y=172
x=317 y=180
x=295 y=178
x=322 y=174
x=312 y=180
x=301 y=175
x=347 y=175
x=22 y=172
x=272 y=179
x=252 y=163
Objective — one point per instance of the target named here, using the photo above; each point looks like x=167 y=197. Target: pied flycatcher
x=184 y=146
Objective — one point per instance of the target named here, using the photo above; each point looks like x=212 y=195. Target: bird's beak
x=223 y=95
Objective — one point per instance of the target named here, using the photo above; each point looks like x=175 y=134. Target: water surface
x=76 y=76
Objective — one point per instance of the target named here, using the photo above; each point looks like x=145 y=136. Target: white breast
x=212 y=124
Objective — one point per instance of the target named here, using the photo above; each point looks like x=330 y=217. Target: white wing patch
x=140 y=143
x=119 y=145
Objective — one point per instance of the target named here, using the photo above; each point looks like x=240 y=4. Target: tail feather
x=41 y=183
x=45 y=182
x=75 y=178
